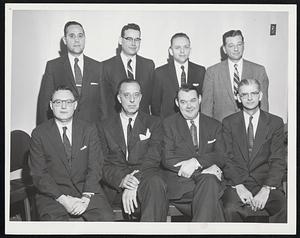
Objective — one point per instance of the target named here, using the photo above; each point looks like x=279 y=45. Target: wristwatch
x=87 y=195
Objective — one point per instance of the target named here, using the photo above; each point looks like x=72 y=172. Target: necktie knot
x=64 y=129
x=236 y=66
x=129 y=62
x=250 y=118
x=192 y=122
x=182 y=67
x=76 y=60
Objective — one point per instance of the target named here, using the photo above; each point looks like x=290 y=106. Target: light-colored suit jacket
x=218 y=100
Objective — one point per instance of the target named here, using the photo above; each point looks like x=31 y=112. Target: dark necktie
x=193 y=131
x=129 y=70
x=129 y=131
x=250 y=134
x=183 y=76
x=236 y=80
x=78 y=76
x=68 y=147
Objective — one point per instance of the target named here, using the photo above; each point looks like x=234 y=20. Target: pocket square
x=145 y=137
x=211 y=141
x=195 y=84
x=83 y=147
x=92 y=83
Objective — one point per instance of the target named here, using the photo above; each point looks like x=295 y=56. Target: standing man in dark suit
x=255 y=162
x=193 y=156
x=66 y=163
x=128 y=64
x=169 y=77
x=132 y=145
x=77 y=71
x=221 y=80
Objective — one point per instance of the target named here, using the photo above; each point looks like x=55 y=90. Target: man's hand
x=245 y=195
x=130 y=181
x=68 y=202
x=260 y=199
x=129 y=200
x=80 y=206
x=214 y=169
x=187 y=167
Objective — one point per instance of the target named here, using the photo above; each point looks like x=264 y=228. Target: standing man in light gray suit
x=220 y=82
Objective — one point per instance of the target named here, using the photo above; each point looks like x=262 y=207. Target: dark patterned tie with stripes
x=129 y=70
x=236 y=80
x=78 y=75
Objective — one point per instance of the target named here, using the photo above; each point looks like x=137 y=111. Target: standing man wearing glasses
x=132 y=147
x=171 y=76
x=128 y=64
x=77 y=71
x=66 y=165
x=255 y=162
x=221 y=80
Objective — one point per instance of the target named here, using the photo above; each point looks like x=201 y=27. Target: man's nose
x=181 y=50
x=132 y=98
x=63 y=104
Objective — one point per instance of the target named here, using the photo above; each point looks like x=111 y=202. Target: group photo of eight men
x=124 y=132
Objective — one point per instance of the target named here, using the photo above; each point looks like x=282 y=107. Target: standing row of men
x=67 y=155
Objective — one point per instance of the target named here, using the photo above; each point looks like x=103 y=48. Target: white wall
x=36 y=36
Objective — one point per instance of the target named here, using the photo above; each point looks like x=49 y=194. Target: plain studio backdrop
x=36 y=36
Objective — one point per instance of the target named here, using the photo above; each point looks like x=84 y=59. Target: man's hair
x=248 y=82
x=65 y=88
x=127 y=81
x=132 y=26
x=232 y=33
x=179 y=34
x=69 y=23
x=187 y=88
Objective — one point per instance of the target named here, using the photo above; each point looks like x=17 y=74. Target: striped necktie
x=78 y=75
x=129 y=70
x=236 y=80
x=193 y=131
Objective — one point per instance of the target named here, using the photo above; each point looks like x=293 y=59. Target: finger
x=178 y=164
x=179 y=173
x=134 y=180
x=135 y=202
x=124 y=205
x=134 y=172
x=131 y=206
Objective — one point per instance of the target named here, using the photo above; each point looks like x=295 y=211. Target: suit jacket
x=178 y=146
x=218 y=100
x=266 y=166
x=166 y=86
x=92 y=105
x=114 y=73
x=50 y=171
x=144 y=155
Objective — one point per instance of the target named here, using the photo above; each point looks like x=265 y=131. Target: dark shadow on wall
x=63 y=48
x=223 y=55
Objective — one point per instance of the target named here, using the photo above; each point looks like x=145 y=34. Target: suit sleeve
x=95 y=163
x=156 y=95
x=207 y=94
x=46 y=89
x=42 y=180
x=264 y=81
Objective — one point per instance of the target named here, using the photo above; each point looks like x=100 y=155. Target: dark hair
x=180 y=34
x=187 y=88
x=127 y=81
x=132 y=26
x=69 y=23
x=248 y=82
x=63 y=87
x=232 y=33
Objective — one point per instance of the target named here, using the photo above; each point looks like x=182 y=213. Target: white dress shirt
x=72 y=63
x=179 y=71
x=68 y=131
x=254 y=120
x=231 y=70
x=125 y=60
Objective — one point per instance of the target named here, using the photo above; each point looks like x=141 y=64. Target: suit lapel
x=184 y=131
x=240 y=131
x=77 y=136
x=190 y=74
x=225 y=75
x=85 y=77
x=116 y=128
x=70 y=75
x=246 y=70
x=202 y=134
x=138 y=128
x=138 y=69
x=173 y=75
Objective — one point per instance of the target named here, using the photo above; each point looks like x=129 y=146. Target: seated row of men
x=96 y=84
x=210 y=172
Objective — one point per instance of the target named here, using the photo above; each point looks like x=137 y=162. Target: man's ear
x=120 y=40
x=51 y=105
x=176 y=102
x=75 y=105
x=170 y=51
x=260 y=96
x=200 y=98
x=239 y=98
x=64 y=40
x=224 y=49
x=119 y=98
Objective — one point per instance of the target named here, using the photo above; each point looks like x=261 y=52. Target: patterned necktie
x=183 y=76
x=236 y=80
x=129 y=70
x=129 y=132
x=250 y=134
x=78 y=76
x=67 y=145
x=193 y=131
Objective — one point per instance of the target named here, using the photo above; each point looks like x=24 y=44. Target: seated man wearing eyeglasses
x=132 y=147
x=66 y=163
x=255 y=162
x=127 y=64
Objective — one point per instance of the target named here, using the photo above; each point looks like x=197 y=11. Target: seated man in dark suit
x=66 y=163
x=169 y=77
x=192 y=165
x=255 y=162
x=128 y=64
x=80 y=73
x=132 y=147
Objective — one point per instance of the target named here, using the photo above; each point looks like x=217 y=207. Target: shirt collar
x=125 y=117
x=71 y=58
x=178 y=66
x=255 y=115
x=239 y=63
x=61 y=125
x=126 y=58
x=196 y=119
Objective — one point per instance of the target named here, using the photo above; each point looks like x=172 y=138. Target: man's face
x=250 y=96
x=130 y=42
x=180 y=49
x=188 y=103
x=130 y=97
x=63 y=105
x=234 y=48
x=75 y=39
